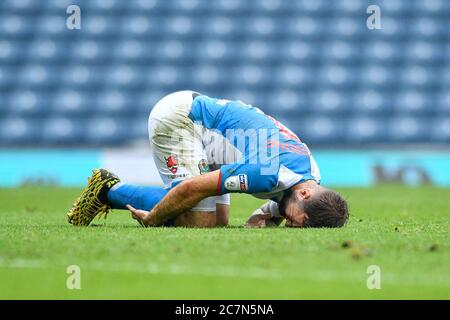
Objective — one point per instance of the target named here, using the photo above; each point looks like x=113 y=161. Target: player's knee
x=196 y=219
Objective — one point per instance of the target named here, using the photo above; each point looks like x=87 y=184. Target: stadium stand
x=311 y=63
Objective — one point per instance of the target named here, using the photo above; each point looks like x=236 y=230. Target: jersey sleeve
x=271 y=207
x=245 y=178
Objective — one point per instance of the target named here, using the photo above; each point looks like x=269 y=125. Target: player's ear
x=304 y=193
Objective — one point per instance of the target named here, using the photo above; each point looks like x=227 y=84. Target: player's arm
x=179 y=200
x=265 y=216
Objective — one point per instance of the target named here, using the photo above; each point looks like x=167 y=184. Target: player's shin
x=139 y=197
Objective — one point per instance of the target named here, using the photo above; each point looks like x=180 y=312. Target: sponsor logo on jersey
x=203 y=166
x=172 y=164
x=237 y=183
x=243 y=182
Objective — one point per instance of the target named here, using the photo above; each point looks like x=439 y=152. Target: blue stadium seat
x=305 y=27
x=62 y=131
x=337 y=76
x=27 y=103
x=370 y=102
x=90 y=51
x=269 y=7
x=220 y=27
x=107 y=7
x=301 y=52
x=105 y=130
x=101 y=26
x=444 y=78
x=166 y=77
x=80 y=76
x=52 y=25
x=394 y=8
x=425 y=53
x=377 y=76
x=147 y=100
x=262 y=27
x=258 y=51
x=392 y=29
x=432 y=8
x=12 y=52
x=132 y=51
x=123 y=76
x=72 y=103
x=182 y=25
x=252 y=76
x=112 y=103
x=58 y=6
x=230 y=6
x=22 y=7
x=443 y=103
x=310 y=7
x=189 y=7
x=213 y=51
x=288 y=102
x=293 y=76
x=342 y=52
x=348 y=7
x=148 y=7
x=138 y=129
x=429 y=28
x=329 y=102
x=319 y=130
x=141 y=27
x=415 y=76
x=385 y=52
x=8 y=77
x=412 y=102
x=46 y=50
x=366 y=130
x=38 y=76
x=405 y=129
x=18 y=131
x=440 y=130
x=15 y=26
x=208 y=77
x=174 y=51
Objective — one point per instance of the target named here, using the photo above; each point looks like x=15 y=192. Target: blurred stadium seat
x=311 y=63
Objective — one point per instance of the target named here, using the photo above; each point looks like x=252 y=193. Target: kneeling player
x=205 y=148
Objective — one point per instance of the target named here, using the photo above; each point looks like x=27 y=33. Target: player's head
x=314 y=206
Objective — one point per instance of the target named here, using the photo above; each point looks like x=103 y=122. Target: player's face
x=292 y=203
x=291 y=207
x=294 y=216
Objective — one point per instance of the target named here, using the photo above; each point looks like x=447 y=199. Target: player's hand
x=259 y=219
x=140 y=215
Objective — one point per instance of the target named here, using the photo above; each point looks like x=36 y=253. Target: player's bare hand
x=140 y=215
x=259 y=219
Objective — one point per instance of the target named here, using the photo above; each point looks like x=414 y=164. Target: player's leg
x=222 y=210
x=178 y=153
x=142 y=197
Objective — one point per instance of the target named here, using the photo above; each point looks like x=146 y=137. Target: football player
x=205 y=149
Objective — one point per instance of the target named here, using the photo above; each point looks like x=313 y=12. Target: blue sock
x=144 y=198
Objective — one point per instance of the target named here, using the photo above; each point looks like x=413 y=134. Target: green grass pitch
x=404 y=231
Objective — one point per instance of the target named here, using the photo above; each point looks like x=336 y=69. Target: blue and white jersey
x=273 y=158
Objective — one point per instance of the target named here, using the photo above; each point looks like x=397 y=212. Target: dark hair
x=326 y=209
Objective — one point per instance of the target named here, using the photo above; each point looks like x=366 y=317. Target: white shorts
x=178 y=146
